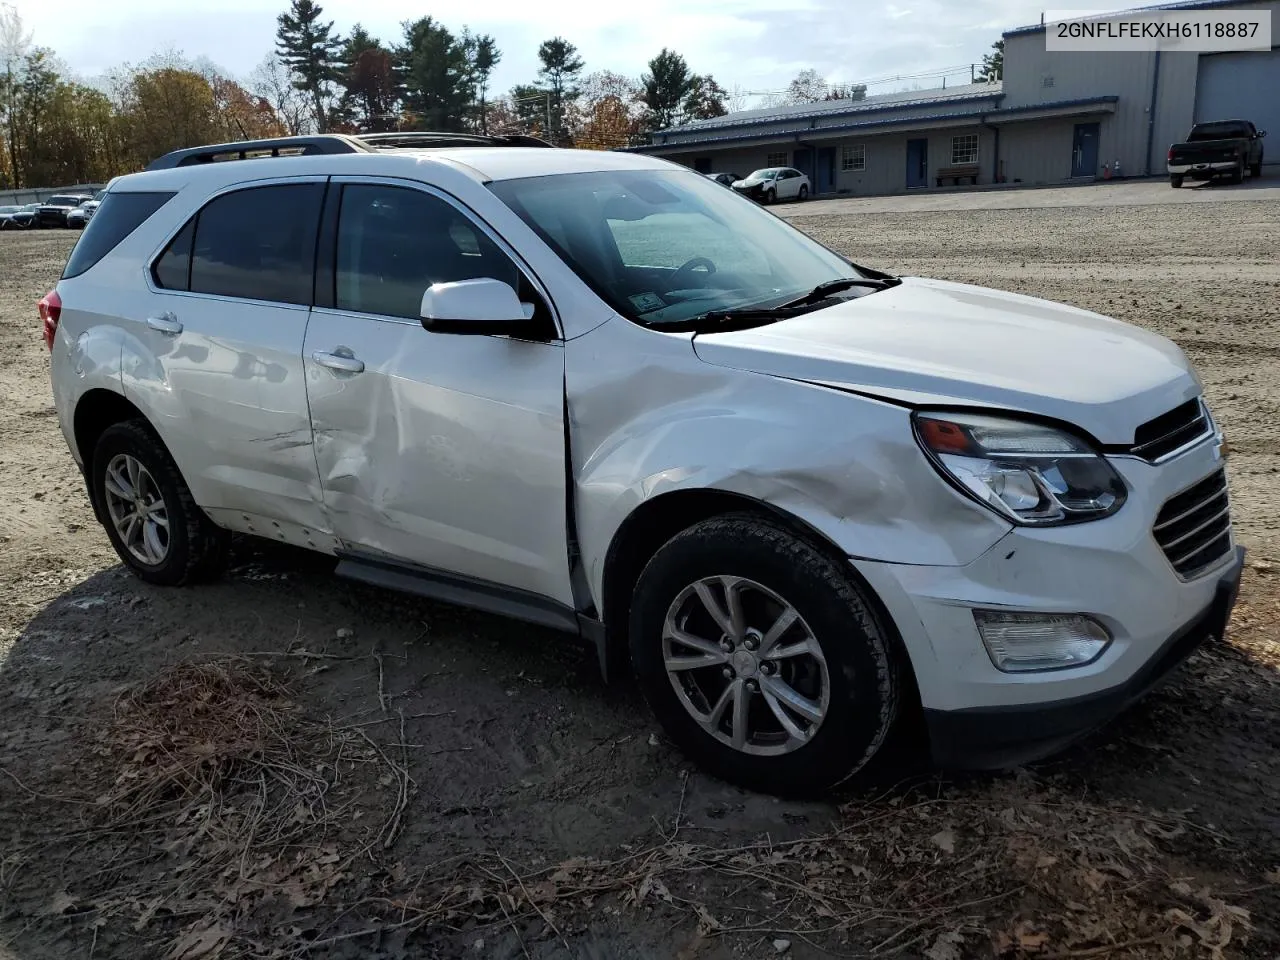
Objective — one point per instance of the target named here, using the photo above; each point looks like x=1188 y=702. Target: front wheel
x=770 y=196
x=1237 y=175
x=804 y=193
x=1175 y=180
x=148 y=512
x=761 y=658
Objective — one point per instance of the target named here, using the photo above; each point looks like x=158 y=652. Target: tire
x=1175 y=181
x=857 y=667
x=1237 y=175
x=804 y=193
x=1255 y=171
x=193 y=547
x=770 y=197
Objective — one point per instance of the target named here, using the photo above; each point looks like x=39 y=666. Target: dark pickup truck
x=53 y=212
x=1222 y=148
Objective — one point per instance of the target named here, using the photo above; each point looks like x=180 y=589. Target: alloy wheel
x=137 y=509
x=745 y=665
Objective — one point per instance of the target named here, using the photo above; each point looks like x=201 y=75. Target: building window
x=853 y=158
x=776 y=159
x=964 y=149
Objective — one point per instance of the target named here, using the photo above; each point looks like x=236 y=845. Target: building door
x=1084 y=151
x=826 y=181
x=918 y=163
x=1236 y=85
x=804 y=163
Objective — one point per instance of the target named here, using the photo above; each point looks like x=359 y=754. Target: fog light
x=1026 y=642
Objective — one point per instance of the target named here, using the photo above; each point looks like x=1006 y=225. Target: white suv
x=800 y=498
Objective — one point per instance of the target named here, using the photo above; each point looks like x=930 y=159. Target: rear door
x=435 y=450
x=217 y=357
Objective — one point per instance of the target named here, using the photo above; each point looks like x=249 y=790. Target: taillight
x=1171 y=154
x=50 y=306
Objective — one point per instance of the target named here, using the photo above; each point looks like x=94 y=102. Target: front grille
x=1194 y=526
x=1171 y=431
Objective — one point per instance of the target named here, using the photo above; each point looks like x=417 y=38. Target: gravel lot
x=404 y=779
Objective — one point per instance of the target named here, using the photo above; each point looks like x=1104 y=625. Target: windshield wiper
x=824 y=290
x=743 y=318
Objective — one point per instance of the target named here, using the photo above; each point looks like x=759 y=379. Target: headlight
x=1026 y=472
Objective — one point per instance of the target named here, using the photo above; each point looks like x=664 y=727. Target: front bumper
x=997 y=737
x=755 y=192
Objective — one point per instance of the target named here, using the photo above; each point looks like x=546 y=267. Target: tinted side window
x=258 y=243
x=118 y=215
x=393 y=243
x=172 y=270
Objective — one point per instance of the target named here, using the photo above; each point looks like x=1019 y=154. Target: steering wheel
x=685 y=271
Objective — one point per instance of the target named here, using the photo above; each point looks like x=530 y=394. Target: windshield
x=10 y=209
x=764 y=174
x=63 y=201
x=666 y=246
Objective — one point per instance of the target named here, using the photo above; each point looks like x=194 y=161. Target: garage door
x=1242 y=86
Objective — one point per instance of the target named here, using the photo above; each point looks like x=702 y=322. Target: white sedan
x=773 y=184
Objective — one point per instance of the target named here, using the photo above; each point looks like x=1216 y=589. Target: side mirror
x=482 y=306
x=1262 y=133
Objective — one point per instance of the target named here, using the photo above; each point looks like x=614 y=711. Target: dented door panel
x=444 y=451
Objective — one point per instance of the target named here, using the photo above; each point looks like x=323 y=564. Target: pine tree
x=667 y=86
x=311 y=51
x=561 y=67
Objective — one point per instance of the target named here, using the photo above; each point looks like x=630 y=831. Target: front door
x=1084 y=151
x=826 y=180
x=918 y=163
x=444 y=451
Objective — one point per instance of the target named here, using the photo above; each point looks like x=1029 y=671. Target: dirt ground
x=283 y=764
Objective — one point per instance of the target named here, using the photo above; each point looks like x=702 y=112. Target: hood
x=749 y=182
x=931 y=342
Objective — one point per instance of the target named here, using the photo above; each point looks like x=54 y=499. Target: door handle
x=336 y=361
x=166 y=323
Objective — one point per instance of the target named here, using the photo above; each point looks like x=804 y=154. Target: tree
x=993 y=63
x=559 y=72
x=310 y=49
x=705 y=100
x=433 y=67
x=846 y=91
x=807 y=87
x=15 y=45
x=369 y=83
x=271 y=82
x=167 y=108
x=667 y=86
x=608 y=113
x=532 y=108
x=482 y=55
x=241 y=115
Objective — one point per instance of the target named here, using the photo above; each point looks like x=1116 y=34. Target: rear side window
x=255 y=244
x=117 y=216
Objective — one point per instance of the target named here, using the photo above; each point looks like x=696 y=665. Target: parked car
x=724 y=179
x=1227 y=148
x=82 y=214
x=800 y=498
x=53 y=211
x=13 y=217
x=773 y=184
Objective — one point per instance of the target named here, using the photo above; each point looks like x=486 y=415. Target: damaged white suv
x=799 y=497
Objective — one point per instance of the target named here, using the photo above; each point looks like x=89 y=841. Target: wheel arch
x=655 y=521
x=96 y=411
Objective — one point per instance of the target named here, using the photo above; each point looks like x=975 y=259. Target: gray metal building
x=1055 y=117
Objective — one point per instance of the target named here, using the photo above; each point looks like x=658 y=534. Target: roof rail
x=431 y=138
x=301 y=146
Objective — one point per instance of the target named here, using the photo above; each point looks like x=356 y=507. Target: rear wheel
x=1255 y=171
x=1175 y=180
x=761 y=658
x=804 y=193
x=148 y=512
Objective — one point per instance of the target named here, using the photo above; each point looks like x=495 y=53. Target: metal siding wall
x=1037 y=152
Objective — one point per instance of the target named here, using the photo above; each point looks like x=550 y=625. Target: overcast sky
x=753 y=44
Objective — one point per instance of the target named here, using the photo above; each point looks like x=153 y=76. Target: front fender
x=648 y=418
